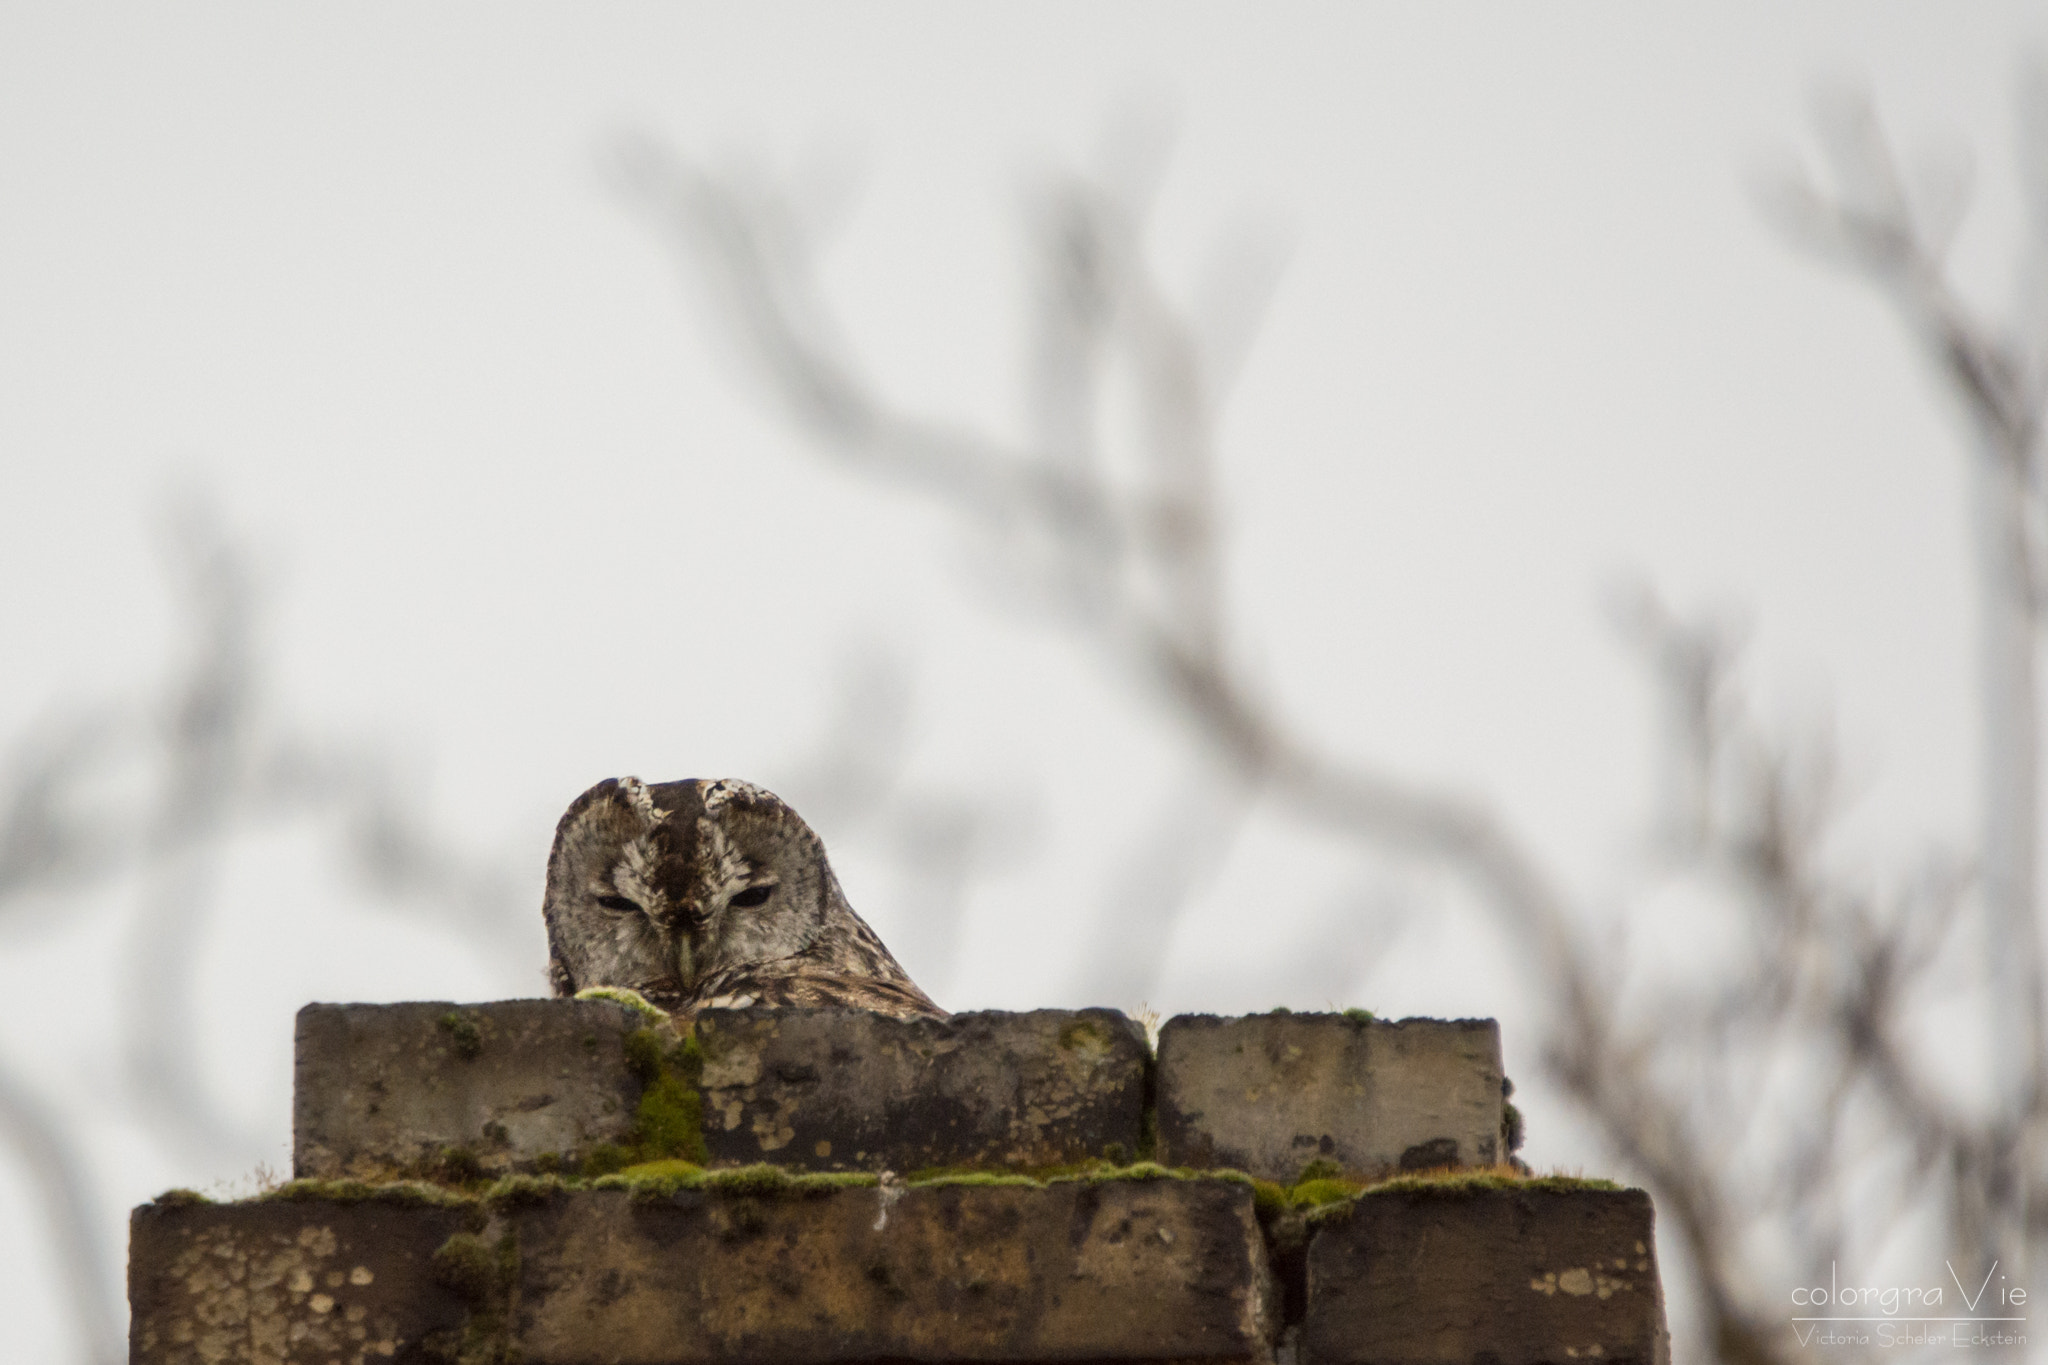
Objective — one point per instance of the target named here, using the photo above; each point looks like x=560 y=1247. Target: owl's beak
x=686 y=965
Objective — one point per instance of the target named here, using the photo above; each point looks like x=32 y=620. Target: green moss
x=619 y=995
x=1093 y=1171
x=1141 y=1170
x=964 y=1174
x=466 y=1266
x=977 y=1179
x=655 y=1180
x=604 y=1159
x=1085 y=1034
x=483 y=1275
x=671 y=1175
x=643 y=1054
x=1316 y=1193
x=458 y=1166
x=1358 y=1016
x=670 y=1120
x=758 y=1181
x=1279 y=1009
x=464 y=1037
x=1512 y=1130
x=820 y=1182
x=409 y=1192
x=1457 y=1183
x=180 y=1198
x=520 y=1191
x=549 y=1163
x=1322 y=1168
x=1152 y=1170
x=1269 y=1197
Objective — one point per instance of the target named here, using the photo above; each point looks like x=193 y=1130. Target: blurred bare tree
x=151 y=799
x=152 y=796
x=1776 y=1105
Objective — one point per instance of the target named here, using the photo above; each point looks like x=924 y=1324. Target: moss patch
x=482 y=1274
x=670 y=1120
x=632 y=1000
x=180 y=1198
x=466 y=1265
x=1358 y=1016
x=465 y=1038
x=1474 y=1180
x=1083 y=1172
x=457 y=1166
x=412 y=1192
x=1085 y=1035
x=657 y=1180
x=976 y=1179
x=517 y=1191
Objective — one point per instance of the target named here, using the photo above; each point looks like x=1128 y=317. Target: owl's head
x=653 y=886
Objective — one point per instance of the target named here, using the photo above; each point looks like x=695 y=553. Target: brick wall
x=558 y=1182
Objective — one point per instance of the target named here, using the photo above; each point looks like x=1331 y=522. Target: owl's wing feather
x=793 y=982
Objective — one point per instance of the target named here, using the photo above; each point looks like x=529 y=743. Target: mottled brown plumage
x=709 y=893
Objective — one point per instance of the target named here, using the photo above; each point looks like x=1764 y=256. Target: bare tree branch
x=1689 y=1088
x=84 y=1265
x=1868 y=222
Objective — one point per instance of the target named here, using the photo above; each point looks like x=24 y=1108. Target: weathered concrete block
x=382 y=1088
x=843 y=1090
x=223 y=1285
x=1268 y=1093
x=1136 y=1271
x=1508 y=1276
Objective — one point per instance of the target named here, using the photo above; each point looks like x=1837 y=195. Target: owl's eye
x=752 y=896
x=619 y=903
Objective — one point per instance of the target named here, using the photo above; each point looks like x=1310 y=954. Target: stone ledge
x=854 y=1091
x=1515 y=1276
x=1269 y=1093
x=521 y=1085
x=287 y=1281
x=378 y=1089
x=1138 y=1270
x=1111 y=1270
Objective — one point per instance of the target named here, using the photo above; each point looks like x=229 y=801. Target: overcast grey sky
x=355 y=273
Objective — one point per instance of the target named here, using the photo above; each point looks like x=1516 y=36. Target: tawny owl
x=709 y=893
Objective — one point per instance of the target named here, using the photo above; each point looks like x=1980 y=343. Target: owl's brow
x=726 y=866
x=631 y=874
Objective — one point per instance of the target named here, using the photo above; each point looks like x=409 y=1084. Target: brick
x=842 y=1090
x=228 y=1284
x=384 y=1088
x=1268 y=1093
x=1118 y=1270
x=1508 y=1276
